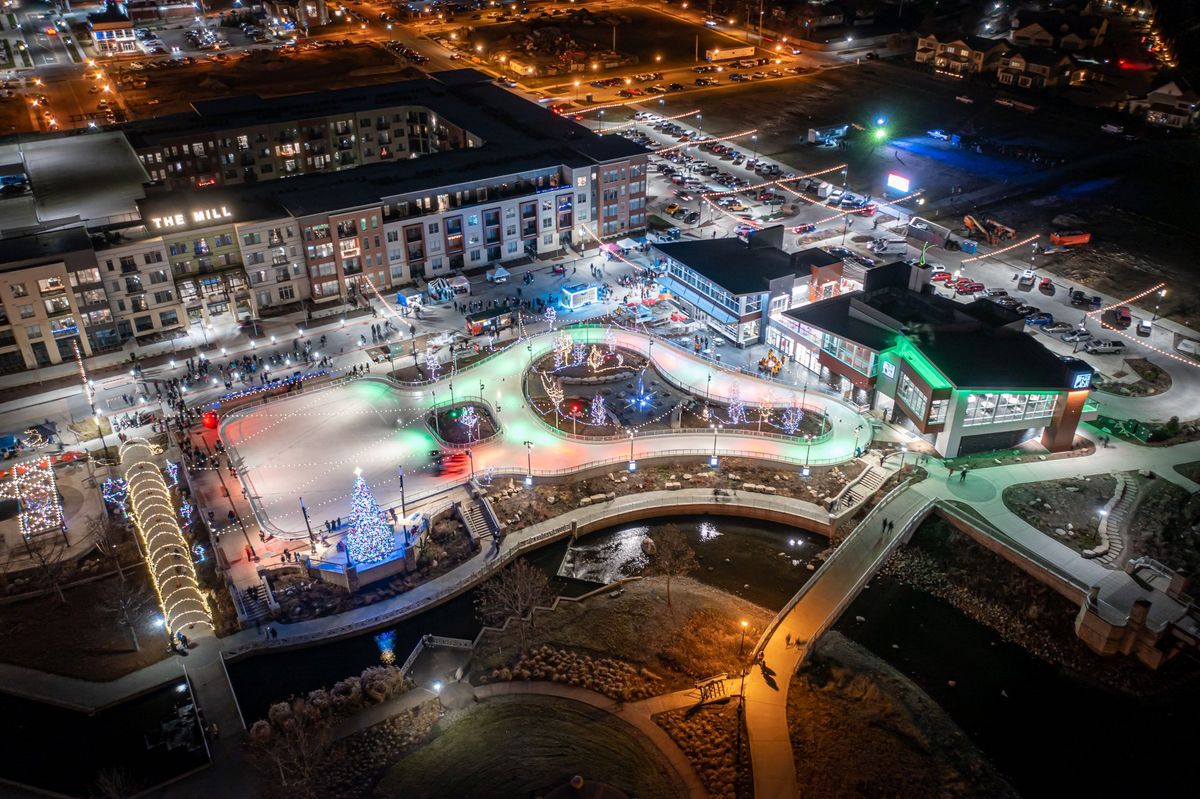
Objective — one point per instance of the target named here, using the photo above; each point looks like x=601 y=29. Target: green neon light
x=907 y=351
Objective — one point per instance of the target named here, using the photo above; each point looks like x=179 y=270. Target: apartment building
x=959 y=54
x=51 y=298
x=532 y=184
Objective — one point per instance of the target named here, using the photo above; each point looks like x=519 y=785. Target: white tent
x=498 y=274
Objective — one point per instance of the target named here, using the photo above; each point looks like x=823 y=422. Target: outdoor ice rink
x=309 y=445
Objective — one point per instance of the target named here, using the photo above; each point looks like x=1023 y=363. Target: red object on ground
x=209 y=420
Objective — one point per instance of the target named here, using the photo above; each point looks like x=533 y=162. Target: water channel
x=1039 y=726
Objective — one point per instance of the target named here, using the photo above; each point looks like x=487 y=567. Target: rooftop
x=44 y=246
x=971 y=345
x=736 y=266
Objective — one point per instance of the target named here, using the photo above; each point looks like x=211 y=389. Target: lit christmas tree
x=610 y=340
x=595 y=359
x=578 y=353
x=562 y=349
x=550 y=316
x=370 y=538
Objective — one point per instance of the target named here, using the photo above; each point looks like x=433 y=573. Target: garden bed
x=1152 y=380
x=449 y=423
x=519 y=507
x=1165 y=524
x=1066 y=509
x=662 y=648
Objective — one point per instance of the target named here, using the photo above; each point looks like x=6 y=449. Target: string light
x=1002 y=250
x=171 y=569
x=729 y=137
x=660 y=119
x=1126 y=301
x=270 y=385
x=36 y=492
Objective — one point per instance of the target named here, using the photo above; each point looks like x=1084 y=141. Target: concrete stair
x=868 y=485
x=476 y=521
x=254 y=603
x=1127 y=490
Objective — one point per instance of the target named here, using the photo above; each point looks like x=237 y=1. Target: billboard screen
x=898 y=182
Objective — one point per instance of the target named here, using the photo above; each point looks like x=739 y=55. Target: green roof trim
x=925 y=369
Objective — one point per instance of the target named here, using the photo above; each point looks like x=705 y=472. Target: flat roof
x=973 y=349
x=518 y=137
x=83 y=176
x=731 y=263
x=45 y=246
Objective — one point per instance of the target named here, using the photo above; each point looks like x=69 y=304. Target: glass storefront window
x=911 y=395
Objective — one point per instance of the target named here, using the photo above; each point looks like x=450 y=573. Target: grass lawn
x=80 y=639
x=515 y=746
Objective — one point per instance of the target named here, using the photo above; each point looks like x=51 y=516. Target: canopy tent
x=498 y=274
x=460 y=284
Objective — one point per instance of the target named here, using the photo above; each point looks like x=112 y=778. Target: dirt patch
x=860 y=728
x=452 y=424
x=1166 y=525
x=1151 y=380
x=1190 y=470
x=1067 y=509
x=81 y=638
x=525 y=745
x=518 y=506
x=697 y=637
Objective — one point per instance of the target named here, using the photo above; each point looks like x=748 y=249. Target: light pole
x=754 y=143
x=806 y=472
x=471 y=458
x=1161 y=295
x=312 y=539
x=436 y=428
x=403 y=507
x=712 y=461
x=742 y=643
x=857 y=430
x=632 y=462
x=708 y=388
x=528 y=464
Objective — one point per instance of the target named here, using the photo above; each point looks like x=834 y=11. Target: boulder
x=583 y=503
x=672 y=485
x=550 y=500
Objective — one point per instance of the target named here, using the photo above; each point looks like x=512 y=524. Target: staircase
x=871 y=480
x=1114 y=523
x=255 y=604
x=475 y=520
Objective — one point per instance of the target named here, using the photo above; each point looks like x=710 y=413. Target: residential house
x=1036 y=68
x=1058 y=30
x=1171 y=105
x=960 y=54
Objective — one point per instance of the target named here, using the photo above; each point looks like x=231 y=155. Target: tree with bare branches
x=106 y=536
x=292 y=743
x=516 y=591
x=127 y=600
x=115 y=783
x=672 y=556
x=51 y=557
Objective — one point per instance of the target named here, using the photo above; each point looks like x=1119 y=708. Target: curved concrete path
x=308 y=446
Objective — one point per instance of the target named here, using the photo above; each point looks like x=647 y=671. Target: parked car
x=672 y=208
x=1056 y=328
x=1122 y=317
x=1076 y=336
x=1039 y=319
x=1104 y=346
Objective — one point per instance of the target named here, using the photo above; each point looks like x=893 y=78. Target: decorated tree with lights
x=595 y=359
x=550 y=316
x=597 y=413
x=432 y=366
x=737 y=408
x=578 y=353
x=792 y=417
x=370 y=538
x=610 y=341
x=563 y=346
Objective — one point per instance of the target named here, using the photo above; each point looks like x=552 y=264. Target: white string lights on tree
x=36 y=492
x=550 y=316
x=792 y=417
x=597 y=413
x=595 y=359
x=167 y=550
x=553 y=388
x=432 y=366
x=578 y=353
x=563 y=345
x=737 y=408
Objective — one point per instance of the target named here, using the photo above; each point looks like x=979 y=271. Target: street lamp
x=1161 y=295
x=471 y=458
x=312 y=539
x=403 y=508
x=528 y=464
x=806 y=472
x=712 y=461
x=857 y=430
x=632 y=462
x=754 y=141
x=742 y=643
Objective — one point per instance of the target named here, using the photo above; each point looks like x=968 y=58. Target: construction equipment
x=1070 y=238
x=989 y=230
